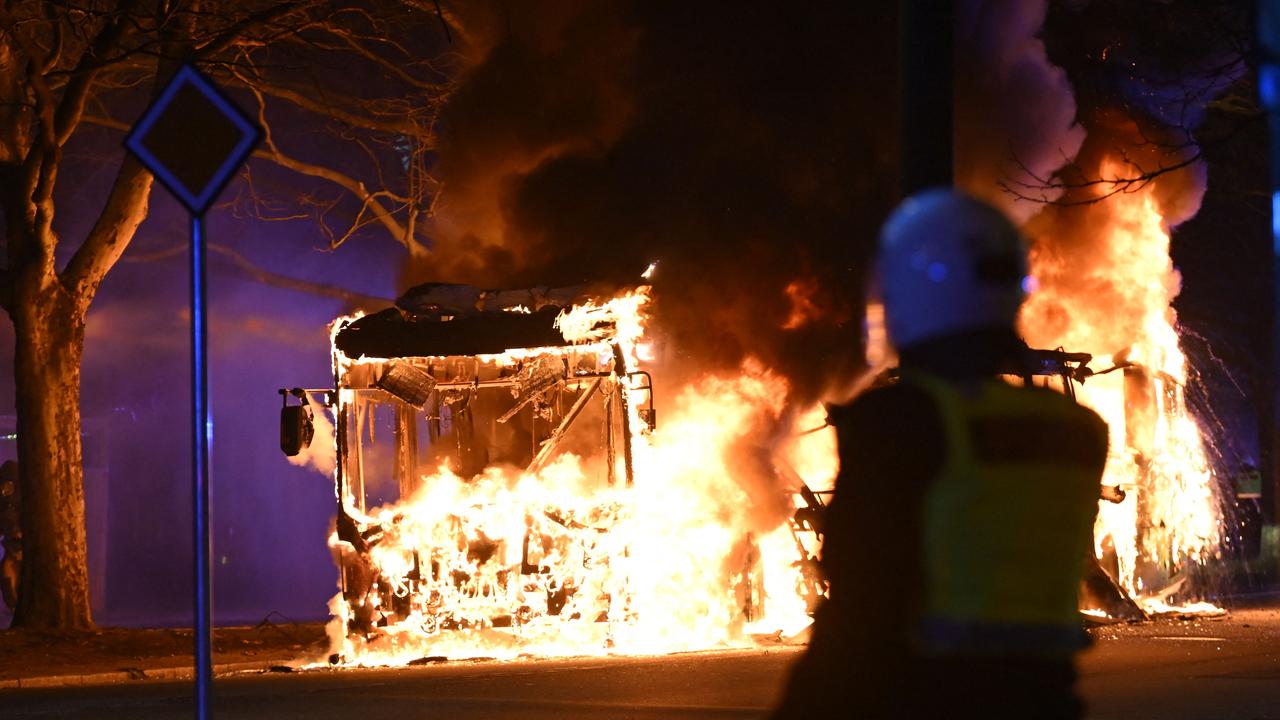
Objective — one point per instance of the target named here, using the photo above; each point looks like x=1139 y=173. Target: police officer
x=964 y=505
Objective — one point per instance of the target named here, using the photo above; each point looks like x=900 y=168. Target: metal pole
x=1268 y=22
x=200 y=496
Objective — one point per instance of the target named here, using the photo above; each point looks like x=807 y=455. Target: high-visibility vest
x=1008 y=522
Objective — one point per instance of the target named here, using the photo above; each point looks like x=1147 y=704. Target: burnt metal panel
x=394 y=333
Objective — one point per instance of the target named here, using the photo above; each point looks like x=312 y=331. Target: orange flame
x=698 y=553
x=804 y=308
x=1172 y=517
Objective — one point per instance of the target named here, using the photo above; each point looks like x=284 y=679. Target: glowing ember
x=1171 y=518
x=1158 y=607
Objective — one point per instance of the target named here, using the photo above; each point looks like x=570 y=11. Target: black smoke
x=746 y=147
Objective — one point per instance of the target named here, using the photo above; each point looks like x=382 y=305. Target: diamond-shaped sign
x=193 y=139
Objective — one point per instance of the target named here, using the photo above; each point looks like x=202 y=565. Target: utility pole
x=1269 y=90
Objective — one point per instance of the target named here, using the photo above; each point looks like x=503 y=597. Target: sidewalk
x=113 y=655
x=120 y=655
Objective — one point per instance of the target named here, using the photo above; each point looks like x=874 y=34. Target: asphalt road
x=1196 y=669
x=737 y=684
x=1220 y=669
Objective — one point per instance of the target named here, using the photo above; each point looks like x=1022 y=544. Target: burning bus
x=450 y=410
x=488 y=445
x=504 y=487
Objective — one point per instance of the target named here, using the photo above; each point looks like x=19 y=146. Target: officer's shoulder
x=883 y=403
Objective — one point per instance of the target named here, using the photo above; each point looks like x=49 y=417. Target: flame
x=698 y=552
x=622 y=318
x=1171 y=519
x=804 y=308
x=702 y=550
x=878 y=349
x=811 y=452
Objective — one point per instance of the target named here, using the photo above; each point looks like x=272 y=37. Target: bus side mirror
x=296 y=424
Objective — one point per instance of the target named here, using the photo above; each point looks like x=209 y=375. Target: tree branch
x=125 y=209
x=371 y=203
x=250 y=270
x=43 y=152
x=77 y=89
x=381 y=213
x=1050 y=191
x=231 y=34
x=396 y=69
x=365 y=117
x=266 y=277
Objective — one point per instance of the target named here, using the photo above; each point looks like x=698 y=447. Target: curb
x=129 y=675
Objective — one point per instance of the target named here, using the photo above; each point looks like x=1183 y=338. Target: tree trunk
x=49 y=330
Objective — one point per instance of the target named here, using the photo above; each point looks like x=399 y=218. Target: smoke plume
x=321 y=454
x=1015 y=114
x=1148 y=72
x=745 y=148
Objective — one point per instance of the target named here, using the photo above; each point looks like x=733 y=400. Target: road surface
x=1210 y=669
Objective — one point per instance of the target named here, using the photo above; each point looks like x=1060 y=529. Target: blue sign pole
x=200 y=495
x=1268 y=20
x=193 y=139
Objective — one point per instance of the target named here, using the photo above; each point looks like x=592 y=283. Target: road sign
x=194 y=139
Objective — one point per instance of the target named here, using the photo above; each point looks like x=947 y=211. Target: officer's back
x=964 y=508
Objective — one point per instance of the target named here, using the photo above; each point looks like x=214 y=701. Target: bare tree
x=350 y=106
x=1164 y=64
